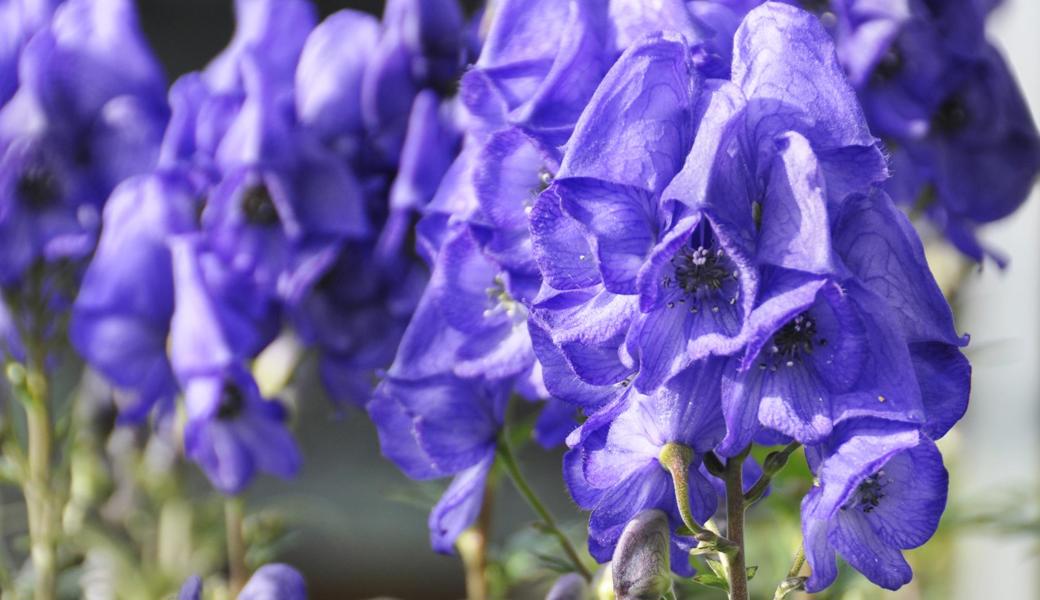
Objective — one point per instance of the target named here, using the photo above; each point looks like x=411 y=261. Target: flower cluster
x=281 y=198
x=676 y=228
x=675 y=222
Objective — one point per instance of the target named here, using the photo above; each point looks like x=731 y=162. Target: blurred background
x=360 y=526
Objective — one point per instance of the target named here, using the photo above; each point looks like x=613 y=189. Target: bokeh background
x=360 y=526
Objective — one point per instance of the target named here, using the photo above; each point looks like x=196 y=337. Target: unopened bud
x=641 y=567
x=788 y=586
x=571 y=586
x=774 y=462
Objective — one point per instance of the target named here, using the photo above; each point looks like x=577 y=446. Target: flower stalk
x=773 y=464
x=508 y=461
x=735 y=562
x=472 y=548
x=238 y=573
x=676 y=458
x=794 y=581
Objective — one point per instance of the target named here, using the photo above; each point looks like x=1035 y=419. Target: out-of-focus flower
x=442 y=426
x=121 y=317
x=231 y=431
x=274 y=581
x=88 y=111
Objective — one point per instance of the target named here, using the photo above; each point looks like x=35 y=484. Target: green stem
x=40 y=504
x=675 y=458
x=508 y=461
x=236 y=546
x=735 y=562
x=794 y=580
x=773 y=464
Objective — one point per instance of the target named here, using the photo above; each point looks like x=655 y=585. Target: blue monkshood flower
x=977 y=158
x=231 y=431
x=422 y=45
x=440 y=426
x=385 y=118
x=477 y=312
x=87 y=113
x=356 y=314
x=283 y=201
x=121 y=317
x=678 y=248
x=863 y=30
x=881 y=490
x=613 y=467
x=877 y=341
x=827 y=330
x=275 y=581
x=965 y=150
x=543 y=60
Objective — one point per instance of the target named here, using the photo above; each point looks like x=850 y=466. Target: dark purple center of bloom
x=232 y=403
x=705 y=274
x=951 y=116
x=868 y=494
x=38 y=188
x=795 y=340
x=258 y=207
x=890 y=65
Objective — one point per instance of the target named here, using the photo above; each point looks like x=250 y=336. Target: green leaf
x=751 y=572
x=712 y=580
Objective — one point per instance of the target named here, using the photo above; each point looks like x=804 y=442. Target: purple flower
x=87 y=113
x=121 y=318
x=870 y=343
x=881 y=490
x=974 y=157
x=613 y=467
x=275 y=581
x=671 y=216
x=441 y=426
x=965 y=148
x=384 y=119
x=232 y=432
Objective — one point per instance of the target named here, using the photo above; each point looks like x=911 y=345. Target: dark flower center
x=789 y=346
x=868 y=494
x=258 y=207
x=232 y=403
x=38 y=188
x=890 y=65
x=703 y=273
x=951 y=116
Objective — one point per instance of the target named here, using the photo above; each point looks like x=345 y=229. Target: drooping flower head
x=87 y=112
x=881 y=491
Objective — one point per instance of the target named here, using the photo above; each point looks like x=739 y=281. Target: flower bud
x=640 y=564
